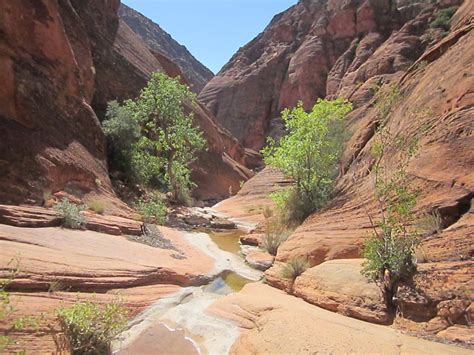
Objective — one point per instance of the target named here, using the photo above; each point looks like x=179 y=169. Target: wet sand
x=159 y=340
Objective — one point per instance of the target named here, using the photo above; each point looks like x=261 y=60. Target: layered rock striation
x=61 y=63
x=319 y=49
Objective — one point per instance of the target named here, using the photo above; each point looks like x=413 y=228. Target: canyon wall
x=343 y=49
x=61 y=62
x=302 y=55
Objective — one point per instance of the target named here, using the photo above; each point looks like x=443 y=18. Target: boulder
x=339 y=286
x=259 y=259
x=457 y=334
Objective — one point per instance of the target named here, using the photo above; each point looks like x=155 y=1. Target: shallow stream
x=178 y=323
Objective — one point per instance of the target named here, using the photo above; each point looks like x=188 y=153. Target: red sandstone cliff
x=61 y=62
x=342 y=49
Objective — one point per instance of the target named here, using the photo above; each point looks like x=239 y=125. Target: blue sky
x=212 y=30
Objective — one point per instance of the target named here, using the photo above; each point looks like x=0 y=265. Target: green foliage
x=71 y=214
x=443 y=18
x=294 y=268
x=6 y=309
x=389 y=250
x=89 y=328
x=309 y=154
x=96 y=206
x=123 y=133
x=155 y=138
x=153 y=210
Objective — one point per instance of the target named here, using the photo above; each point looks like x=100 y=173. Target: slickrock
x=39 y=217
x=86 y=260
x=250 y=202
x=458 y=334
x=44 y=335
x=433 y=74
x=338 y=286
x=273 y=322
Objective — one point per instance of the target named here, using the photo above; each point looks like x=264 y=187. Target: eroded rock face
x=61 y=63
x=434 y=75
x=47 y=88
x=290 y=61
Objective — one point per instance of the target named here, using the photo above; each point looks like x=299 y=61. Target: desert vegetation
x=90 y=328
x=71 y=214
x=309 y=154
x=275 y=232
x=96 y=206
x=442 y=18
x=152 y=209
x=294 y=268
x=153 y=138
x=389 y=250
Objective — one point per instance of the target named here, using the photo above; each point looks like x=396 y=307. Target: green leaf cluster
x=71 y=214
x=89 y=327
x=309 y=154
x=443 y=18
x=153 y=136
x=152 y=210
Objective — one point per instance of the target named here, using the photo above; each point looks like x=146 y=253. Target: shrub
x=71 y=214
x=443 y=18
x=6 y=308
x=271 y=242
x=89 y=328
x=431 y=223
x=275 y=235
x=153 y=210
x=294 y=268
x=155 y=138
x=309 y=154
x=96 y=206
x=389 y=250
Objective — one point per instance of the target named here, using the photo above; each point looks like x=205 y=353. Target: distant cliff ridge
x=159 y=40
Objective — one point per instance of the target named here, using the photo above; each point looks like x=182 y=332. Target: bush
x=275 y=234
x=431 y=223
x=153 y=210
x=443 y=18
x=90 y=328
x=294 y=268
x=71 y=214
x=96 y=206
x=309 y=154
x=154 y=138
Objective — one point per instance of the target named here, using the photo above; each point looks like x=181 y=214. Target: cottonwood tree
x=164 y=139
x=309 y=154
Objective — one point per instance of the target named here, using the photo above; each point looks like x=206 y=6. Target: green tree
x=389 y=250
x=309 y=154
x=157 y=136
